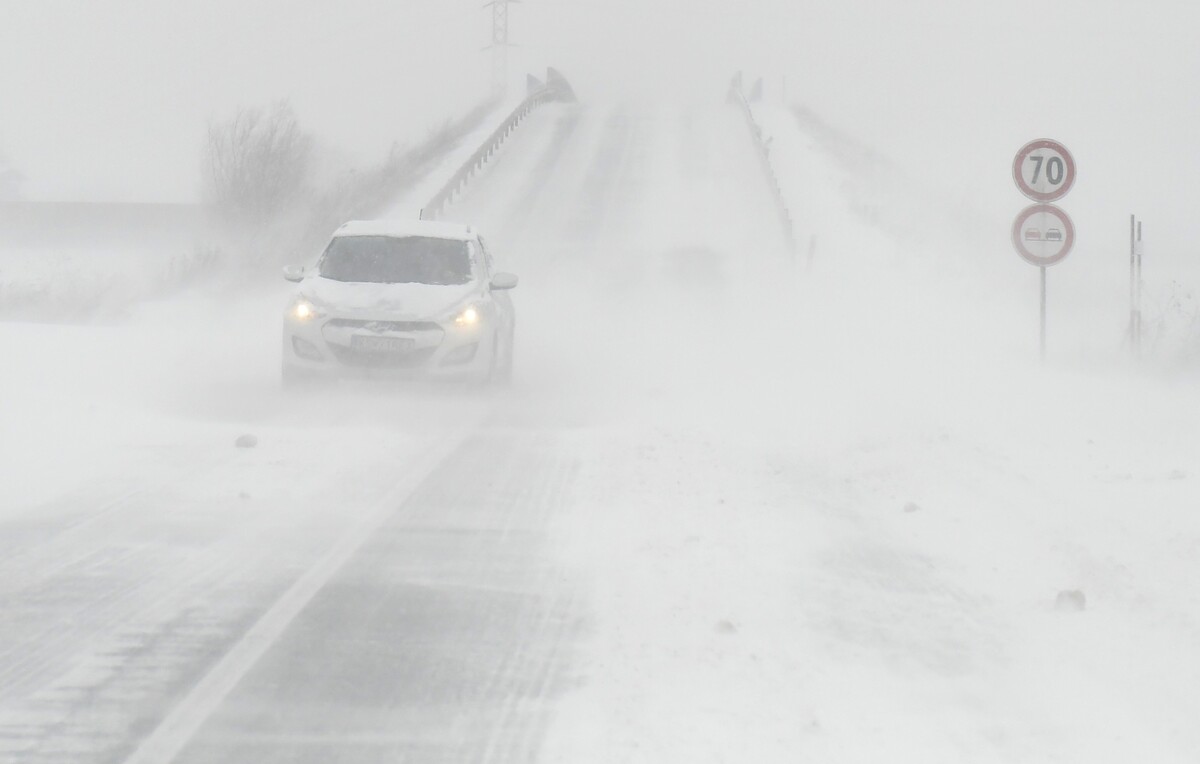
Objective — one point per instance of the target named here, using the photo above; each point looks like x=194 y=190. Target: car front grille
x=412 y=359
x=384 y=326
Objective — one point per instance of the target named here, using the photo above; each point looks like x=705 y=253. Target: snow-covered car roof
x=429 y=228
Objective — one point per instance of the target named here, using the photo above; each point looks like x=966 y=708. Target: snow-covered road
x=727 y=512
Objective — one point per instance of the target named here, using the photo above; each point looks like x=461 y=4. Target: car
x=1054 y=234
x=1033 y=234
x=400 y=299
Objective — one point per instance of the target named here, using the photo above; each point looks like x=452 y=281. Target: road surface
x=170 y=608
x=727 y=511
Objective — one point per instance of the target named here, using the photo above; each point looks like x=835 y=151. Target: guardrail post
x=555 y=89
x=738 y=98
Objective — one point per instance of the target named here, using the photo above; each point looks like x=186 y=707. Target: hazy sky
x=109 y=98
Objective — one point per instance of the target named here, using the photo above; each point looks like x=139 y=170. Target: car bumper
x=337 y=347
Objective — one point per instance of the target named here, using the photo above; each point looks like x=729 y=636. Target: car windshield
x=396 y=260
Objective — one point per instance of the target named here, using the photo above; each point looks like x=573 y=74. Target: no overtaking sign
x=1043 y=234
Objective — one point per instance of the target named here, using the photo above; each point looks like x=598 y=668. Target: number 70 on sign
x=1055 y=169
x=1044 y=170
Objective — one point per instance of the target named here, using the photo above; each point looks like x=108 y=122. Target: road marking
x=181 y=724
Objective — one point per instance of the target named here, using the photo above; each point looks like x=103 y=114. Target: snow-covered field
x=731 y=510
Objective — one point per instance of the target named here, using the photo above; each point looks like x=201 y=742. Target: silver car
x=400 y=299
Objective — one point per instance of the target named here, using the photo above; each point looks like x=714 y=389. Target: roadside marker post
x=1135 y=286
x=1140 y=284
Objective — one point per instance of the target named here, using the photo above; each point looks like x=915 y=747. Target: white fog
x=673 y=394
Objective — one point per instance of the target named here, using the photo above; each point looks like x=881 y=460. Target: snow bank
x=763 y=590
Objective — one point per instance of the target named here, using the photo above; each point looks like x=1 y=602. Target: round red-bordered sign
x=1044 y=170
x=1043 y=235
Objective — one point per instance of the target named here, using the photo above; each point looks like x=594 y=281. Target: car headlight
x=470 y=316
x=303 y=310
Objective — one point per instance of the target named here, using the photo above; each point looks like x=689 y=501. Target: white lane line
x=182 y=723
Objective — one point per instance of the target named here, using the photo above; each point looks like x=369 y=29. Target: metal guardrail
x=556 y=88
x=737 y=97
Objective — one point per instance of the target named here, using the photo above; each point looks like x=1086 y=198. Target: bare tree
x=257 y=164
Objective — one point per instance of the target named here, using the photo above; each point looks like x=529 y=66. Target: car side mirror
x=504 y=281
x=293 y=272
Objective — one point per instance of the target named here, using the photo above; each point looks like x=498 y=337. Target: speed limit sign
x=1044 y=170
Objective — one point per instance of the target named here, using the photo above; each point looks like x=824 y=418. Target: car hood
x=401 y=300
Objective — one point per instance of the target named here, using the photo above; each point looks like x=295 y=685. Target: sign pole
x=1042 y=333
x=1043 y=234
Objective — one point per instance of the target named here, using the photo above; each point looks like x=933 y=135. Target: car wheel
x=499 y=368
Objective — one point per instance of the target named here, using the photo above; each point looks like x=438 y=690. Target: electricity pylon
x=500 y=43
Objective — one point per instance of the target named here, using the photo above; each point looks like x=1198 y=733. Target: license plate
x=372 y=344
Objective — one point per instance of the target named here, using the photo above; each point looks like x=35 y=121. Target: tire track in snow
x=52 y=554
x=447 y=638
x=181 y=723
x=50 y=574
